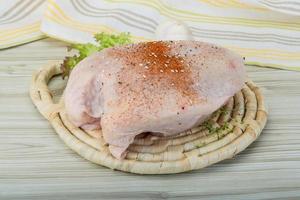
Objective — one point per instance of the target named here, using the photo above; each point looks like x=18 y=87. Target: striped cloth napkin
x=20 y=21
x=285 y=6
x=266 y=38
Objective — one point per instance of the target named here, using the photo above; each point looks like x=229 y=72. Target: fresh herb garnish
x=209 y=126
x=212 y=129
x=223 y=110
x=103 y=40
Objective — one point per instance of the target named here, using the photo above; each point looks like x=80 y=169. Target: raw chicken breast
x=159 y=87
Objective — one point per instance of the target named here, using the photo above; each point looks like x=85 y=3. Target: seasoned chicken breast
x=160 y=87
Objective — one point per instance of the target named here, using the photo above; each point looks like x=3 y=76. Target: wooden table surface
x=35 y=164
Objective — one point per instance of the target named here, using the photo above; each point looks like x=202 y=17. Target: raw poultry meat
x=162 y=87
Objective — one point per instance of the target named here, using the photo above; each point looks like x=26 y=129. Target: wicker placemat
x=229 y=131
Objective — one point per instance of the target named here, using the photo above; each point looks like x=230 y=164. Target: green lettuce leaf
x=103 y=40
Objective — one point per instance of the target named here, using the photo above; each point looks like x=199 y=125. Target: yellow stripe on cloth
x=232 y=4
x=56 y=14
x=20 y=22
x=18 y=36
x=21 y=41
x=11 y=34
x=56 y=11
x=90 y=28
x=266 y=53
x=196 y=17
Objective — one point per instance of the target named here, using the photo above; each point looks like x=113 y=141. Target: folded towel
x=20 y=21
x=264 y=37
x=291 y=7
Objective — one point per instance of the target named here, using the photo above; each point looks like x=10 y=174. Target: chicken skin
x=162 y=87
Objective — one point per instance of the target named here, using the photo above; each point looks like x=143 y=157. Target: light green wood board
x=35 y=164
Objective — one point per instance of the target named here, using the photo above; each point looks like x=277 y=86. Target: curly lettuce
x=103 y=41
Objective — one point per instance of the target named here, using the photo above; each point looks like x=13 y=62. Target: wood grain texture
x=35 y=164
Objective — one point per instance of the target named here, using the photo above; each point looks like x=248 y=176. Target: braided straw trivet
x=229 y=131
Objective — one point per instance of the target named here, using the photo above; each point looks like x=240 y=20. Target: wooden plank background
x=35 y=164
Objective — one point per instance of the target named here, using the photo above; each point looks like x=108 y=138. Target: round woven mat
x=229 y=131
